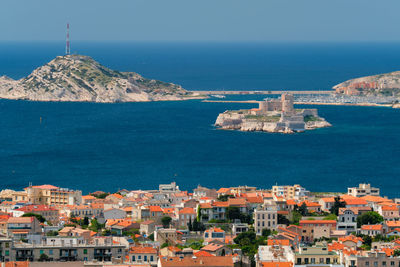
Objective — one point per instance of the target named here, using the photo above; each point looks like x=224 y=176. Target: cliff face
x=80 y=78
x=382 y=84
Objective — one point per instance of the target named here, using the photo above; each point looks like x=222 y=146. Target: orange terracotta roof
x=202 y=253
x=355 y=201
x=155 y=209
x=291 y=202
x=20 y=220
x=212 y=247
x=174 y=249
x=352 y=238
x=45 y=187
x=223 y=190
x=372 y=227
x=392 y=224
x=217 y=261
x=310 y=204
x=277 y=264
x=392 y=207
x=258 y=199
x=187 y=211
x=237 y=201
x=375 y=199
x=116 y=195
x=205 y=206
x=17 y=264
x=88 y=197
x=220 y=204
x=142 y=250
x=328 y=199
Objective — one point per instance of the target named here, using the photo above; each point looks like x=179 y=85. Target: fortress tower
x=287 y=103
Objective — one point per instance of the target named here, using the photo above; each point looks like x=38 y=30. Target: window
x=7 y=245
x=384 y=263
x=50 y=252
x=306 y=260
x=298 y=261
x=41 y=252
x=145 y=257
x=328 y=260
x=139 y=257
x=7 y=253
x=392 y=263
x=133 y=258
x=375 y=263
x=367 y=263
x=85 y=251
x=151 y=258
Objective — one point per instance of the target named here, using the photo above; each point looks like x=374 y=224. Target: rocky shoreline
x=77 y=78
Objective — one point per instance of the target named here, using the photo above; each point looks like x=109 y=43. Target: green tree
x=52 y=233
x=396 y=253
x=37 y=216
x=43 y=257
x=303 y=209
x=190 y=225
x=337 y=205
x=166 y=220
x=369 y=217
x=266 y=232
x=295 y=217
x=165 y=245
x=233 y=213
x=283 y=220
x=85 y=221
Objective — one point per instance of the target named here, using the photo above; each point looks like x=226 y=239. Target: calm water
x=138 y=145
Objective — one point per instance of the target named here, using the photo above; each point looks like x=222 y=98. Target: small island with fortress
x=272 y=115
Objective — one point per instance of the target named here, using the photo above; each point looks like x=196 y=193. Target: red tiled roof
x=142 y=250
x=187 y=211
x=155 y=209
x=277 y=264
x=372 y=227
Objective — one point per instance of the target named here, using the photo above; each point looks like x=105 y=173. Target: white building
x=363 y=190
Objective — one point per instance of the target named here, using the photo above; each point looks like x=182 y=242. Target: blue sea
x=91 y=146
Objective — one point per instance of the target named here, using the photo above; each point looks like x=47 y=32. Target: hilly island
x=82 y=79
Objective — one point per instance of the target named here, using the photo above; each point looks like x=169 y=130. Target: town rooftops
x=218 y=261
x=390 y=207
x=393 y=224
x=36 y=208
x=223 y=190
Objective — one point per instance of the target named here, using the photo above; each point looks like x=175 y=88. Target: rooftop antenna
x=67 y=47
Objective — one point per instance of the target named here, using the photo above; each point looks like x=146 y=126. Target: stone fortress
x=272 y=115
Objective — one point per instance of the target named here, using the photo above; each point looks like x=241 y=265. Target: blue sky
x=201 y=20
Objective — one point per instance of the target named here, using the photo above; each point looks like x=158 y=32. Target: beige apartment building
x=266 y=217
x=49 y=195
x=363 y=190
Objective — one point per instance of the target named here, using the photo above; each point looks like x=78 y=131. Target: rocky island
x=80 y=78
x=274 y=116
